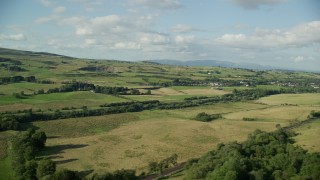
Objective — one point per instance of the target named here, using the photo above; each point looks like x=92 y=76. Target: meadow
x=105 y=143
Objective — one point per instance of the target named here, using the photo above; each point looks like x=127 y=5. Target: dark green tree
x=46 y=167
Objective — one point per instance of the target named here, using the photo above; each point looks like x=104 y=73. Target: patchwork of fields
x=145 y=133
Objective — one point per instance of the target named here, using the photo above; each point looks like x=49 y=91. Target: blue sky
x=281 y=33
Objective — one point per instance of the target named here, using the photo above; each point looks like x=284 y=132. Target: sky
x=280 y=33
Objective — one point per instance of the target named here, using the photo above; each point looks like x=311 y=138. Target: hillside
x=105 y=115
x=214 y=63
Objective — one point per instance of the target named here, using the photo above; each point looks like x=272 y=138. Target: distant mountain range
x=213 y=63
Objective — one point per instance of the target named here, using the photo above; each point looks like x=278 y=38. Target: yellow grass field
x=135 y=144
x=302 y=99
x=191 y=91
x=308 y=136
x=132 y=140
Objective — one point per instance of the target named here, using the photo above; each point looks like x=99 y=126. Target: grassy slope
x=308 y=136
x=6 y=170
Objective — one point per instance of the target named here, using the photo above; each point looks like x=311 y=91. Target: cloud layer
x=255 y=4
x=306 y=34
x=169 y=29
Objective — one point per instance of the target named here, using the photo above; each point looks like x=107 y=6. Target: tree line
x=83 y=86
x=8 y=120
x=17 y=79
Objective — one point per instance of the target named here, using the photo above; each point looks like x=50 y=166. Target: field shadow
x=53 y=137
x=85 y=173
x=26 y=126
x=52 y=150
x=65 y=161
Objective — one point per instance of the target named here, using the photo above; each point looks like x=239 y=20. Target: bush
x=204 y=117
x=249 y=119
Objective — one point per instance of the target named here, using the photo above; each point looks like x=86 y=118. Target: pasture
x=57 y=101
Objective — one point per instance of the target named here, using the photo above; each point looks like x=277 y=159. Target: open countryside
x=159 y=89
x=140 y=134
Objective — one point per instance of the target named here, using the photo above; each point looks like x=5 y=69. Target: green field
x=57 y=101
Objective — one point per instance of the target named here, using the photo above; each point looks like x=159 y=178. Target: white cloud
x=106 y=20
x=83 y=31
x=182 y=28
x=114 y=25
x=158 y=4
x=179 y=39
x=154 y=39
x=90 y=41
x=46 y=3
x=127 y=45
x=13 y=37
x=255 y=4
x=75 y=20
x=59 y=9
x=302 y=35
x=233 y=39
x=42 y=20
x=298 y=58
x=90 y=5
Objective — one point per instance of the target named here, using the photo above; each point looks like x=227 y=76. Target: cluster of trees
x=24 y=150
x=25 y=147
x=158 y=167
x=82 y=86
x=74 y=86
x=15 y=62
x=204 y=117
x=7 y=123
x=15 y=68
x=262 y=156
x=16 y=79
